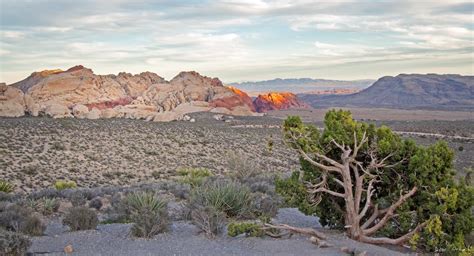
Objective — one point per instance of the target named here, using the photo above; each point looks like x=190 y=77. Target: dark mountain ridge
x=431 y=91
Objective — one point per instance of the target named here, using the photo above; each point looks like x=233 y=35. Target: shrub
x=148 y=213
x=229 y=197
x=48 y=206
x=63 y=184
x=247 y=228
x=179 y=190
x=6 y=187
x=241 y=167
x=81 y=218
x=194 y=176
x=21 y=219
x=209 y=220
x=265 y=206
x=95 y=203
x=12 y=243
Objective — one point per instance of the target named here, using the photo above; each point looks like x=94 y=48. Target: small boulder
x=192 y=120
x=80 y=111
x=12 y=103
x=93 y=114
x=109 y=113
x=218 y=117
x=56 y=110
x=68 y=249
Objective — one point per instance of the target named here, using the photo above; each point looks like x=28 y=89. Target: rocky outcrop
x=80 y=93
x=277 y=101
x=12 y=103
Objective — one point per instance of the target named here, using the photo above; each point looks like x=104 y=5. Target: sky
x=238 y=40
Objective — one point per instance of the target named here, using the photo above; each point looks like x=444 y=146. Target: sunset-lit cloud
x=238 y=40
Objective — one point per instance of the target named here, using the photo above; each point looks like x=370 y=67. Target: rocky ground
x=36 y=152
x=111 y=155
x=184 y=239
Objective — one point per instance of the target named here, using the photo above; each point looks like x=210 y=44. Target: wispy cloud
x=238 y=39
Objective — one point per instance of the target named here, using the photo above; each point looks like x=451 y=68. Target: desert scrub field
x=38 y=152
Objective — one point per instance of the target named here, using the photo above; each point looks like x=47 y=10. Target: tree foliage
x=380 y=187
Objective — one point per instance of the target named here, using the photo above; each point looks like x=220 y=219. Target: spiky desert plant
x=232 y=198
x=148 y=213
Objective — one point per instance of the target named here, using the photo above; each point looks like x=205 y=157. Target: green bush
x=6 y=187
x=436 y=206
x=209 y=220
x=247 y=228
x=63 y=184
x=81 y=218
x=12 y=243
x=148 y=213
x=194 y=176
x=229 y=197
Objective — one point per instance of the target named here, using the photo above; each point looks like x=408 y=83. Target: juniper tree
x=380 y=188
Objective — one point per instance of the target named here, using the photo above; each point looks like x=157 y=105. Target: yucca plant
x=232 y=198
x=6 y=187
x=48 y=205
x=148 y=213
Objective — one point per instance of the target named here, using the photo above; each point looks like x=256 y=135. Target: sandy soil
x=184 y=239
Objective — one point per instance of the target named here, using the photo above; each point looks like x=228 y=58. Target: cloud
x=236 y=39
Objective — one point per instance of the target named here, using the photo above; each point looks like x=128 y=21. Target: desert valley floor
x=116 y=153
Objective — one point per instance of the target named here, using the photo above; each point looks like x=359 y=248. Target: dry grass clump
x=81 y=218
x=12 y=243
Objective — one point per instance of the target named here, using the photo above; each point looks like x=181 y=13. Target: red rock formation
x=132 y=96
x=277 y=101
x=242 y=98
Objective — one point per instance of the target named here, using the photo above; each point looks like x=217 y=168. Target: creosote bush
x=13 y=244
x=63 y=184
x=248 y=228
x=21 y=219
x=81 y=218
x=6 y=187
x=194 y=176
x=148 y=213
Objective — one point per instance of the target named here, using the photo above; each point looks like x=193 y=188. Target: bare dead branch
x=368 y=199
x=304 y=231
x=389 y=213
x=393 y=241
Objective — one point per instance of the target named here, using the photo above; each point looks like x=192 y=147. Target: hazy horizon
x=238 y=41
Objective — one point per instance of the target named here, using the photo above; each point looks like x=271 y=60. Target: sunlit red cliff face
x=277 y=101
x=241 y=97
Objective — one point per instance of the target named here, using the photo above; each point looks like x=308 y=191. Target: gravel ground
x=184 y=239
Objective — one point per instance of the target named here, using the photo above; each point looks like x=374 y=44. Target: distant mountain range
x=303 y=85
x=429 y=91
